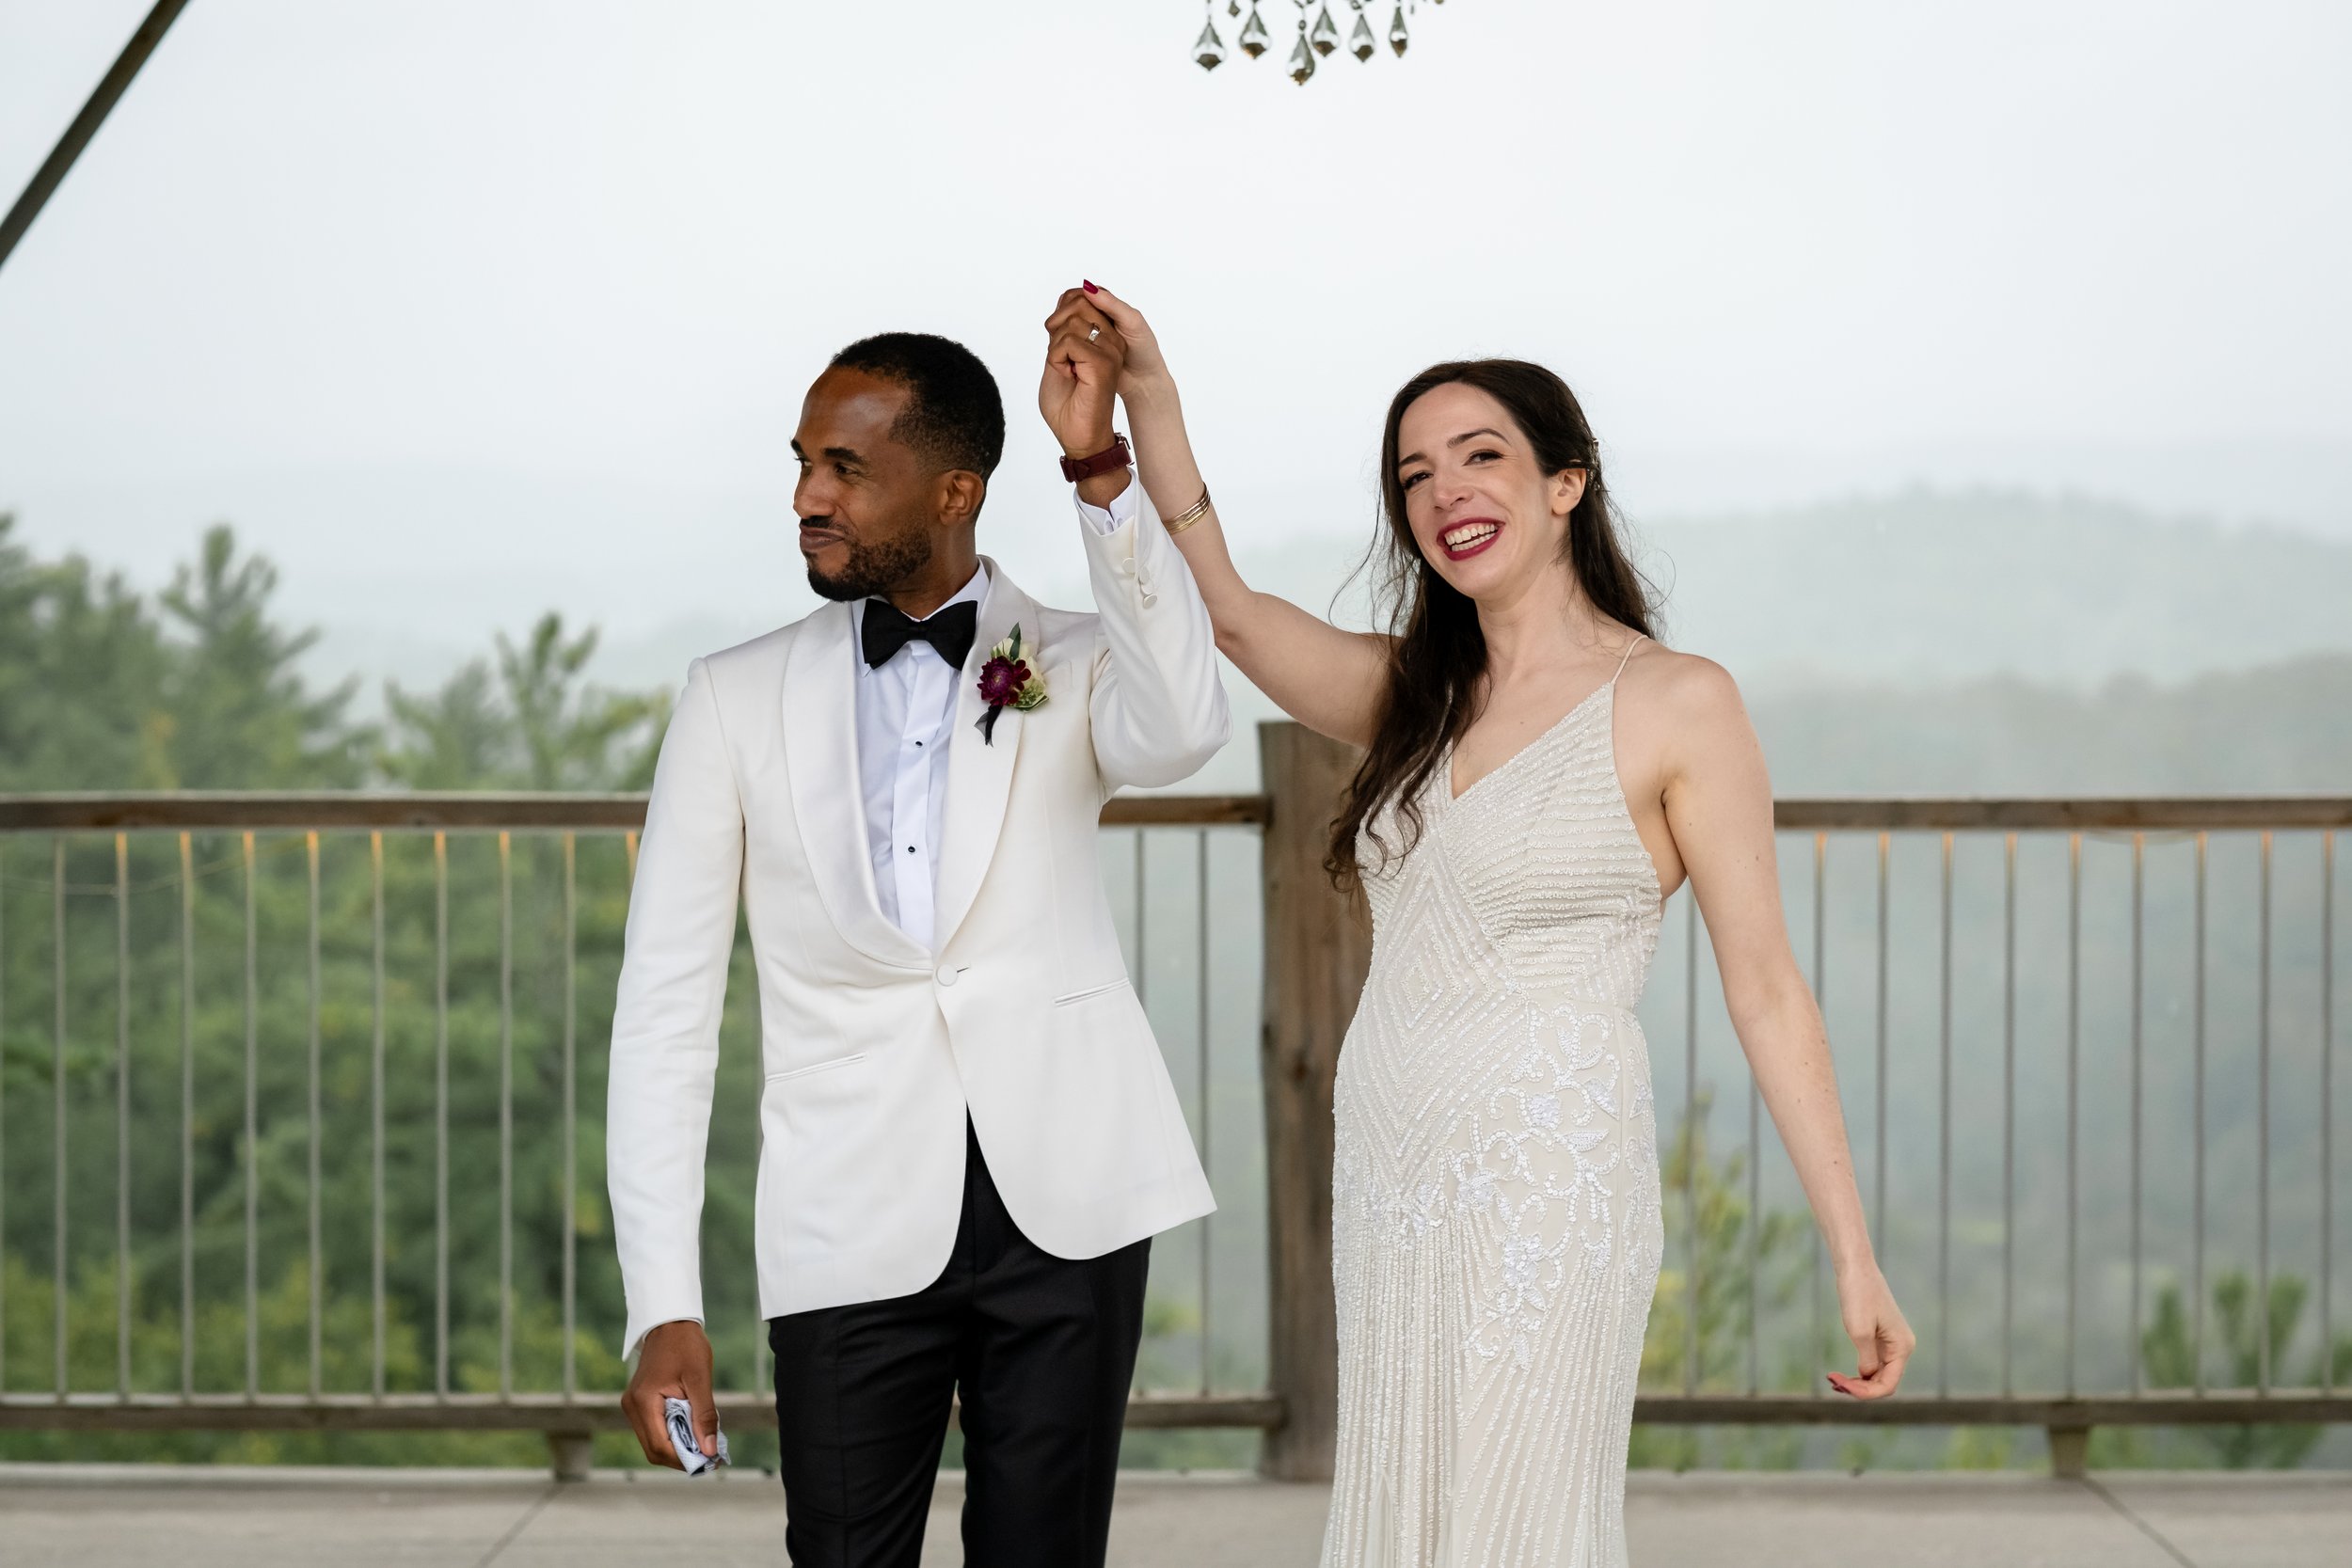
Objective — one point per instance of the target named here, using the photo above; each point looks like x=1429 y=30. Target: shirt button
x=946 y=975
x=1128 y=567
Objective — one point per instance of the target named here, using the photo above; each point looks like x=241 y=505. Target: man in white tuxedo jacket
x=968 y=1132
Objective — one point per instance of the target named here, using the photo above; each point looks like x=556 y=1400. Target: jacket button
x=946 y=975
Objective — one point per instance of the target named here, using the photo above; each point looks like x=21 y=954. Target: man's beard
x=874 y=570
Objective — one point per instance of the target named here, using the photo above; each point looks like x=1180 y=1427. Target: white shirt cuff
x=1125 y=508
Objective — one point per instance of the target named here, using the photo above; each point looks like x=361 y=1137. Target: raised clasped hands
x=1085 y=356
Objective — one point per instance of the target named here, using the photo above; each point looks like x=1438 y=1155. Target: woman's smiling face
x=1482 y=510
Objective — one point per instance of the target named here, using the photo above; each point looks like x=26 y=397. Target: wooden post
x=2070 y=1452
x=571 y=1454
x=1318 y=944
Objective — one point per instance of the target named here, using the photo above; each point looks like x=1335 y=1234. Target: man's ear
x=961 y=493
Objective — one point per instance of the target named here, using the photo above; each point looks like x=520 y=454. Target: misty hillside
x=2281 y=728
x=1936 y=586
x=1975 y=642
x=1933 y=587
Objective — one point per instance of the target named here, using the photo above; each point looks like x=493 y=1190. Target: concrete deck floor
x=98 y=1516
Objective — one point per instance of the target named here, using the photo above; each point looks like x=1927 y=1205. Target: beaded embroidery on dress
x=1497 y=1231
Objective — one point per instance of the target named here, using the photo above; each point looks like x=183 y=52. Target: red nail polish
x=1090 y=288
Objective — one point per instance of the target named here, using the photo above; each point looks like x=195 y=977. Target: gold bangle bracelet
x=1191 y=514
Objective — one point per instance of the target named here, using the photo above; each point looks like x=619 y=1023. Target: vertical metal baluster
x=2262 y=1138
x=4 y=1122
x=1144 y=964
x=2326 y=1110
x=1878 y=1174
x=1200 y=1009
x=1944 y=1133
x=122 y=1115
x=1756 y=1222
x=507 y=1113
x=2074 y=1078
x=2009 y=1108
x=318 y=1265
x=1691 y=1127
x=252 y=1132
x=57 y=1086
x=571 y=1113
x=440 y=1113
x=2139 y=854
x=2197 y=1224
x=188 y=1115
x=376 y=1116
x=1820 y=951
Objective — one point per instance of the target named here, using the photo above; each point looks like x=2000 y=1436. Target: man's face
x=869 y=504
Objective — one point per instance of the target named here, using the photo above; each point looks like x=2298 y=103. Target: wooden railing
x=1316 y=950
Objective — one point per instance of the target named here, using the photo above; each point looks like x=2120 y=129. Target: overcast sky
x=463 y=309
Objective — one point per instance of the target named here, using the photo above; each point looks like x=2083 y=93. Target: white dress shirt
x=905 y=706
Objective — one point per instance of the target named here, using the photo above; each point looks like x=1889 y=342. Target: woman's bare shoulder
x=1685 y=686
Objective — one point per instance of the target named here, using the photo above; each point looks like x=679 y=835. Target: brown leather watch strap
x=1113 y=456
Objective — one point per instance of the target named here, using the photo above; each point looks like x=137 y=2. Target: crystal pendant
x=1253 y=35
x=1302 y=61
x=1210 y=49
x=1398 y=37
x=1359 y=43
x=1325 y=36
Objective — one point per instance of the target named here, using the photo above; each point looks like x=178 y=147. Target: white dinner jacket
x=874 y=1049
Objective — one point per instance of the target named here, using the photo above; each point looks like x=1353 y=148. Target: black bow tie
x=888 y=628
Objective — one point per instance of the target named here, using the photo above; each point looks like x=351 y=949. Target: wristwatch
x=1111 y=457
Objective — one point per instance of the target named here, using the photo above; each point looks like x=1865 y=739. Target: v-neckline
x=1504 y=766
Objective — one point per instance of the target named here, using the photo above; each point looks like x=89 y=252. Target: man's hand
x=1083 y=355
x=673 y=1363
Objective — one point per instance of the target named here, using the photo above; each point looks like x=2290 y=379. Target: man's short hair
x=954 y=417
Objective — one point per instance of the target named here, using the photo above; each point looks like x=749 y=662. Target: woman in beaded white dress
x=1539 y=773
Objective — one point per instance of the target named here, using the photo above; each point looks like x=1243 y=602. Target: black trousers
x=1042 y=1350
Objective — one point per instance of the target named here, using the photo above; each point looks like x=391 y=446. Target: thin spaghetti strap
x=1638 y=641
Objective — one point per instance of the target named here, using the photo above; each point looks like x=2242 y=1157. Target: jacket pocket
x=1090 y=991
x=815 y=1067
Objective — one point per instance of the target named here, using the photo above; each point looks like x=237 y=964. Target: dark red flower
x=1001 y=680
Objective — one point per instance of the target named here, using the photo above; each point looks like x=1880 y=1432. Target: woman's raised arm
x=1328 y=679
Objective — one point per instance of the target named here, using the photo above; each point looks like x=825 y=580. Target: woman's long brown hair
x=1438 y=654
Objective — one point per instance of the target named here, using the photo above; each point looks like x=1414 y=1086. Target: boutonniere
x=1007 y=681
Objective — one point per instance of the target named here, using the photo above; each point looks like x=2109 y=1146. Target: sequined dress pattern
x=1496 y=1221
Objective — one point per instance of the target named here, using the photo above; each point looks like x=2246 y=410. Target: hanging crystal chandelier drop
x=1319 y=31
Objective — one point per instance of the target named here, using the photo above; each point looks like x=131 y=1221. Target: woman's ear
x=1567 y=490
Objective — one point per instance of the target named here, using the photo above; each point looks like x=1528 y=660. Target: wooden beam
x=332 y=810
x=2111 y=814
x=2290 y=1406
x=601 y=1412
x=1318 y=945
x=61 y=158
x=586 y=1413
x=466 y=811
